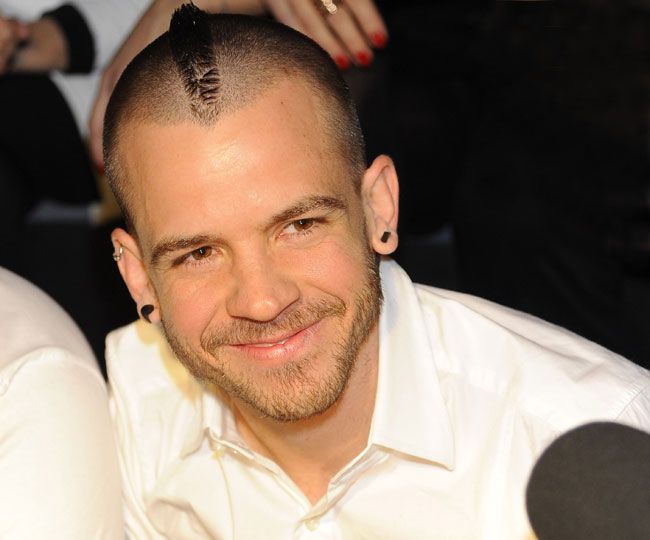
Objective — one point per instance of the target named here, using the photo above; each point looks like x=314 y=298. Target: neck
x=313 y=450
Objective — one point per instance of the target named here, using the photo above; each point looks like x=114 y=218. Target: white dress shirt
x=59 y=477
x=469 y=393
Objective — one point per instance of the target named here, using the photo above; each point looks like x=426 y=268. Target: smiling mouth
x=273 y=342
x=281 y=347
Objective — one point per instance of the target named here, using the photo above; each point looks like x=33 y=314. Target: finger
x=283 y=12
x=370 y=21
x=317 y=28
x=345 y=27
x=20 y=31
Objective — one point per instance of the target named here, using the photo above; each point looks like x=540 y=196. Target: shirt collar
x=410 y=415
x=217 y=422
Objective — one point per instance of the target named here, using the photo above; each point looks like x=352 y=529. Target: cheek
x=337 y=266
x=189 y=308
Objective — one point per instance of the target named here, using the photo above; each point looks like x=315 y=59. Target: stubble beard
x=296 y=390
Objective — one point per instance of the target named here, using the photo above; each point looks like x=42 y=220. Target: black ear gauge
x=384 y=237
x=145 y=311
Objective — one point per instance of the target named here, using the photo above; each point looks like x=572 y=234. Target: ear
x=380 y=195
x=134 y=273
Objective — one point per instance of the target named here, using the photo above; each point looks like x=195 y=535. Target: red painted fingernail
x=363 y=58
x=379 y=39
x=100 y=168
x=342 y=62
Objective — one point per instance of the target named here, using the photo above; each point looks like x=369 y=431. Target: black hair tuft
x=191 y=46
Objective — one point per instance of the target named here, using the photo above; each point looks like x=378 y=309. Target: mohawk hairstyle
x=191 y=46
x=207 y=66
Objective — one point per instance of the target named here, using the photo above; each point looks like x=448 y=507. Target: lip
x=281 y=348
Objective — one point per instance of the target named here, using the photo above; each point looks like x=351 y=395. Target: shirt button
x=312 y=524
x=218 y=450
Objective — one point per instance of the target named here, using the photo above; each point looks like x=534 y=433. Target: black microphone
x=592 y=483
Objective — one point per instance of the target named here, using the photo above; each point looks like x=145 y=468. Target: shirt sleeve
x=79 y=40
x=59 y=476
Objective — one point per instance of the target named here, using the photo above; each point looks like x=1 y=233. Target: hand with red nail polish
x=355 y=27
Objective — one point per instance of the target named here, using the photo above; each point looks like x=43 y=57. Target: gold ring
x=329 y=7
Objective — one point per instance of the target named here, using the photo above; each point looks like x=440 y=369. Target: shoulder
x=550 y=373
x=49 y=380
x=41 y=342
x=39 y=339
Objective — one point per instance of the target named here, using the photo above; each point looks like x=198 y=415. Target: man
x=59 y=475
x=275 y=395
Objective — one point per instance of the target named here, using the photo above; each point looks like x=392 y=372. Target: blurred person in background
x=59 y=476
x=49 y=57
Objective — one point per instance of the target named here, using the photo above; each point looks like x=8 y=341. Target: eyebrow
x=309 y=204
x=301 y=207
x=177 y=244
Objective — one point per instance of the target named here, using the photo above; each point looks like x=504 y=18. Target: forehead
x=185 y=176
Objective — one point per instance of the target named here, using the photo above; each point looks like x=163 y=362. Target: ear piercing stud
x=384 y=237
x=145 y=311
x=118 y=254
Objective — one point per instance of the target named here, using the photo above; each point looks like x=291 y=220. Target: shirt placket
x=317 y=521
x=320 y=520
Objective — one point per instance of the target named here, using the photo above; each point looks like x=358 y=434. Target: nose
x=262 y=289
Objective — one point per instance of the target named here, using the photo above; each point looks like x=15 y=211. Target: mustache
x=248 y=331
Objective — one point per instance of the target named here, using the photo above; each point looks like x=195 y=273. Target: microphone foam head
x=592 y=483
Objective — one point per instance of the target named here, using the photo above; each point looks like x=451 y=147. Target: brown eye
x=201 y=253
x=303 y=224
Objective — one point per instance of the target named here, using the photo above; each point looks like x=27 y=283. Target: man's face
x=254 y=240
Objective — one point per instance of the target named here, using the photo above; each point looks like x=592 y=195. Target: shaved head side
x=206 y=66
